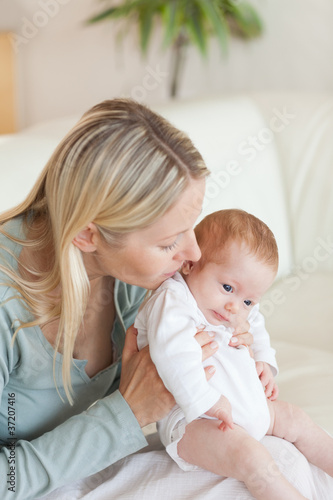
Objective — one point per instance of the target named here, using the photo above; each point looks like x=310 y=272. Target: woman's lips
x=168 y=275
x=173 y=272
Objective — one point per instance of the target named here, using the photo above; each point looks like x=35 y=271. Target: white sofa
x=271 y=154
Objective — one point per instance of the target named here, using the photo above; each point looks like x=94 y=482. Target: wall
x=64 y=67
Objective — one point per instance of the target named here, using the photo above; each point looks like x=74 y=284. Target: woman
x=111 y=215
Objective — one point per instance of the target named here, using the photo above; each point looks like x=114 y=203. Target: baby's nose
x=232 y=307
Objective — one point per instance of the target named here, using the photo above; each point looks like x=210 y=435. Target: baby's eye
x=227 y=288
x=247 y=302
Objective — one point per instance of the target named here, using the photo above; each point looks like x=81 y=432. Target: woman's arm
x=82 y=445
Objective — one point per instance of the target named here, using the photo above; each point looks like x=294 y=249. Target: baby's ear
x=187 y=267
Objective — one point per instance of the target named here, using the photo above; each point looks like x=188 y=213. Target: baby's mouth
x=220 y=317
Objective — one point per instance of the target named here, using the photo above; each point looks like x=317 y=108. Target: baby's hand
x=222 y=411
x=267 y=379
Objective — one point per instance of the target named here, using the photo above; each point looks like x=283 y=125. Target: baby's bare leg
x=234 y=453
x=293 y=424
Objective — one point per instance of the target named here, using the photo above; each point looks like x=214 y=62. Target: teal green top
x=45 y=442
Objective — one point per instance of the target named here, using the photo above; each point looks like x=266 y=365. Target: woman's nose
x=191 y=249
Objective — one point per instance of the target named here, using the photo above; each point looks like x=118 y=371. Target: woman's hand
x=242 y=336
x=209 y=347
x=140 y=384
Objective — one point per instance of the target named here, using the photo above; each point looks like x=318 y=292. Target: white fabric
x=152 y=474
x=168 y=321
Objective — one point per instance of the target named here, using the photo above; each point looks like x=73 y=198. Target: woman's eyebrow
x=172 y=236
x=179 y=232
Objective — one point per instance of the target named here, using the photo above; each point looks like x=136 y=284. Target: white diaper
x=171 y=429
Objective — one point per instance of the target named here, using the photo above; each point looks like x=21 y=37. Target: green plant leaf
x=184 y=19
x=145 y=25
x=172 y=19
x=127 y=8
x=246 y=19
x=214 y=16
x=106 y=14
x=196 y=28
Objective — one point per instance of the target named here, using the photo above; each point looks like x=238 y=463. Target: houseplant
x=185 y=22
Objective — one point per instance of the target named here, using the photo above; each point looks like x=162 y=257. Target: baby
x=218 y=424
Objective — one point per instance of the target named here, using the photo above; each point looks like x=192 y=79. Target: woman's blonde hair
x=219 y=228
x=121 y=166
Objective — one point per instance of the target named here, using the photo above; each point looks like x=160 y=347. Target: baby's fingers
x=226 y=425
x=223 y=426
x=275 y=393
x=226 y=418
x=228 y=421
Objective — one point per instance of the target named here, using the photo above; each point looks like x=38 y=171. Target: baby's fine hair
x=223 y=227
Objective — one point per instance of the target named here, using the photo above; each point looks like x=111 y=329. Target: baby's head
x=238 y=264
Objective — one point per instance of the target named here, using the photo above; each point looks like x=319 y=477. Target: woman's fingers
x=208 y=345
x=203 y=337
x=131 y=345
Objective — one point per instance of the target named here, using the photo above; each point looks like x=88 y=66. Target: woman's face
x=150 y=255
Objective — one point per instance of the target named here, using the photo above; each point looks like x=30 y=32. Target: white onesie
x=168 y=322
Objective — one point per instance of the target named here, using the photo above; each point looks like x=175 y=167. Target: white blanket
x=151 y=474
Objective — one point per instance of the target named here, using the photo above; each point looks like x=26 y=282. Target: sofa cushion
x=311 y=198
x=299 y=309
x=24 y=155
x=306 y=380
x=299 y=318
x=306 y=152
x=21 y=161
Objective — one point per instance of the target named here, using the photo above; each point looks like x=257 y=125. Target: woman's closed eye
x=174 y=244
x=170 y=247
